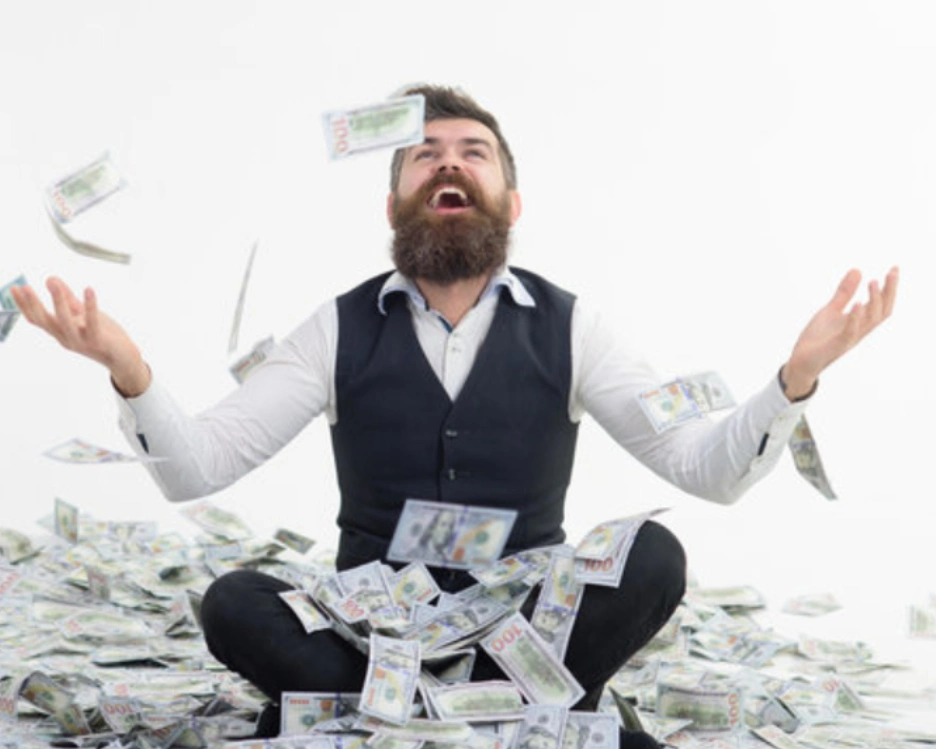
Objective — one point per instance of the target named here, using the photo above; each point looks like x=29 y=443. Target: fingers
x=846 y=290
x=92 y=318
x=890 y=290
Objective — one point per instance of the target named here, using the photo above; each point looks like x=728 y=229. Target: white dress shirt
x=716 y=460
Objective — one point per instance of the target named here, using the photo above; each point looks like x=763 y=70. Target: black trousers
x=253 y=632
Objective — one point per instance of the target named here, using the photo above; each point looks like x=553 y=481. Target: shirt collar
x=503 y=278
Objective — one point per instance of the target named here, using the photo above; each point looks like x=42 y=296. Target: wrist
x=796 y=387
x=132 y=381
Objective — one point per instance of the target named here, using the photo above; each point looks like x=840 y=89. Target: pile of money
x=100 y=646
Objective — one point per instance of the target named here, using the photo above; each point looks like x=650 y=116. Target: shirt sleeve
x=717 y=460
x=205 y=453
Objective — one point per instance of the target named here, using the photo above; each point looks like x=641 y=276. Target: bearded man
x=455 y=378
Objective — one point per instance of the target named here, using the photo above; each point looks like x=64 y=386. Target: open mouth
x=449 y=198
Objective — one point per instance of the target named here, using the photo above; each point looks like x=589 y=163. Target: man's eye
x=422 y=155
x=476 y=153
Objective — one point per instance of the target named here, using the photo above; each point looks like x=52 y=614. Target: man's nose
x=449 y=166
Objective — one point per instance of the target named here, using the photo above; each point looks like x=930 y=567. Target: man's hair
x=447 y=103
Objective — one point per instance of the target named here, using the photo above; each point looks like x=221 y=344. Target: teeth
x=434 y=202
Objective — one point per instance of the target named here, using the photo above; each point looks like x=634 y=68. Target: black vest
x=505 y=442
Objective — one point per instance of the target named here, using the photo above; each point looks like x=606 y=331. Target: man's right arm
x=200 y=454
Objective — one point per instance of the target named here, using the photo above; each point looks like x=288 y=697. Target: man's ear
x=390 y=199
x=516 y=206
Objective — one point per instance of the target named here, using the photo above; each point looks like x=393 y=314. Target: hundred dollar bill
x=459 y=625
x=530 y=664
x=668 y=406
x=607 y=571
x=811 y=605
x=301 y=711
x=542 y=727
x=15 y=546
x=709 y=391
x=306 y=611
x=87 y=248
x=295 y=541
x=449 y=535
x=716 y=709
x=80 y=190
x=241 y=297
x=81 y=452
x=479 y=701
x=66 y=520
x=8 y=318
x=585 y=730
x=807 y=460
x=413 y=584
x=254 y=358
x=390 y=683
x=217 y=521
x=922 y=621
x=394 y=123
x=9 y=312
x=684 y=399
x=558 y=603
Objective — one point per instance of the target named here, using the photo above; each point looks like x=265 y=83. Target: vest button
x=451 y=474
x=451 y=433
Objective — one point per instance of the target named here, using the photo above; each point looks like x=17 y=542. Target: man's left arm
x=720 y=461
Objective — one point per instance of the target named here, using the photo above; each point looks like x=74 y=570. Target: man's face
x=445 y=522
x=452 y=210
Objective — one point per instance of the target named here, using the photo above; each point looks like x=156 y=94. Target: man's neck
x=455 y=299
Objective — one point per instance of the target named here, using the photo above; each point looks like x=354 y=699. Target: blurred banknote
x=257 y=355
x=390 y=683
x=530 y=663
x=80 y=190
x=9 y=312
x=684 y=399
x=300 y=711
x=450 y=535
x=66 y=520
x=77 y=192
x=811 y=605
x=217 y=521
x=295 y=541
x=806 y=458
x=241 y=297
x=394 y=123
x=82 y=452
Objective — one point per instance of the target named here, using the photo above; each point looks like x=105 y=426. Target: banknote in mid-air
x=241 y=297
x=80 y=190
x=684 y=399
x=9 y=312
x=393 y=123
x=449 y=535
x=253 y=359
x=807 y=460
x=82 y=452
x=77 y=192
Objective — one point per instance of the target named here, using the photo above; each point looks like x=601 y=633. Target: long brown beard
x=444 y=249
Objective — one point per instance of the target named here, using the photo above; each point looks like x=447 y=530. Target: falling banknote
x=9 y=312
x=806 y=458
x=84 y=453
x=685 y=399
x=450 y=535
x=394 y=123
x=77 y=192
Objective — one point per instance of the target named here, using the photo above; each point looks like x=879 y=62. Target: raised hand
x=81 y=327
x=832 y=331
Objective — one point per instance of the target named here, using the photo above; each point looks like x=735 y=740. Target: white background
x=704 y=171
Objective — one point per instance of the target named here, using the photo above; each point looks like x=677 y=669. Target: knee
x=661 y=559
x=229 y=596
